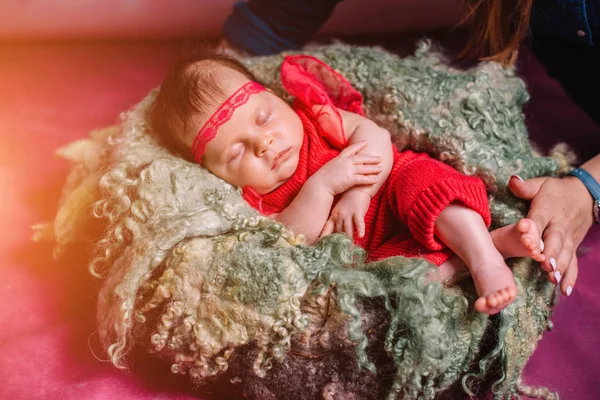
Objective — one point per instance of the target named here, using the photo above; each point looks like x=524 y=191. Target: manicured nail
x=542 y=246
x=569 y=290
x=518 y=177
x=552 y=262
x=557 y=276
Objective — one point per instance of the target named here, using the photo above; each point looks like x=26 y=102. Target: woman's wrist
x=593 y=188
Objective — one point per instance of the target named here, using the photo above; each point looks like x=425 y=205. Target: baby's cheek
x=261 y=179
x=246 y=177
x=222 y=173
x=290 y=168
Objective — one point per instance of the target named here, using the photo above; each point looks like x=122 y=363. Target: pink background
x=54 y=92
x=135 y=19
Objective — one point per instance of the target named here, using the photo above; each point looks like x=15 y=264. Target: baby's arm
x=310 y=209
x=379 y=143
x=349 y=213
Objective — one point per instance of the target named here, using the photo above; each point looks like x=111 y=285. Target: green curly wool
x=196 y=275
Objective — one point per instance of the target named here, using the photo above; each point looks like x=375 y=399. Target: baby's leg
x=465 y=233
x=516 y=240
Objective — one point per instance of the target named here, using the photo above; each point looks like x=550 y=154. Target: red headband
x=222 y=115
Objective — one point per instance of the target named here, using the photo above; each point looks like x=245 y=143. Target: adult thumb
x=525 y=190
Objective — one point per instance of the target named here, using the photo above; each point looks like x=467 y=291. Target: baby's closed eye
x=263 y=117
x=235 y=151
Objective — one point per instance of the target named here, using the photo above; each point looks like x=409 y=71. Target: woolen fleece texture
x=197 y=277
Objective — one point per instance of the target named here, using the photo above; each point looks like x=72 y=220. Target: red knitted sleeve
x=422 y=187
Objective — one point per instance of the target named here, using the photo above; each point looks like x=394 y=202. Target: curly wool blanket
x=194 y=275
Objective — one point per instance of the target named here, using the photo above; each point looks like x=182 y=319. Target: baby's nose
x=264 y=143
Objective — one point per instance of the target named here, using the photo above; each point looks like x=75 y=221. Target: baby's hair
x=189 y=90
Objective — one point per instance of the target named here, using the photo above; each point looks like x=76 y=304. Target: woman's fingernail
x=557 y=276
x=552 y=262
x=569 y=290
x=518 y=177
x=541 y=246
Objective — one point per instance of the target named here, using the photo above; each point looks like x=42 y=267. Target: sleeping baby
x=320 y=166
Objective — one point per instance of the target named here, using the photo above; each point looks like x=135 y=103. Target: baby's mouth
x=280 y=157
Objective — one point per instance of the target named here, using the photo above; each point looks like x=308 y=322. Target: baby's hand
x=348 y=213
x=349 y=169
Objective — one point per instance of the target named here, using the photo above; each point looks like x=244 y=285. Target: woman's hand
x=562 y=210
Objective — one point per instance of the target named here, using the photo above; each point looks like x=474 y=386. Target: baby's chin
x=285 y=172
x=266 y=190
x=281 y=179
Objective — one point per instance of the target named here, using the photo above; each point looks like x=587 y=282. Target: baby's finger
x=365 y=179
x=359 y=222
x=339 y=225
x=354 y=148
x=328 y=228
x=349 y=227
x=366 y=159
x=367 y=169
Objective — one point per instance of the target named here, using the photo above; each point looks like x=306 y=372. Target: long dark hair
x=498 y=27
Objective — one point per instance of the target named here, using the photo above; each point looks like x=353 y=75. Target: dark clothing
x=263 y=27
x=575 y=21
x=565 y=35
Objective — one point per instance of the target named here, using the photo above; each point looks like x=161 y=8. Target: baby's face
x=260 y=145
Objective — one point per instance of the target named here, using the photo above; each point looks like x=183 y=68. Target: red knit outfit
x=400 y=219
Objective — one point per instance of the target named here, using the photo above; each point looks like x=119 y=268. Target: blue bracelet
x=592 y=186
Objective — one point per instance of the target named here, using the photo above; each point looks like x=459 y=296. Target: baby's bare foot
x=495 y=285
x=493 y=281
x=519 y=240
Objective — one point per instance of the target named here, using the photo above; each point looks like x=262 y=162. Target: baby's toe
x=528 y=242
x=486 y=304
x=481 y=305
x=534 y=246
x=494 y=300
x=524 y=225
x=506 y=296
x=495 y=303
